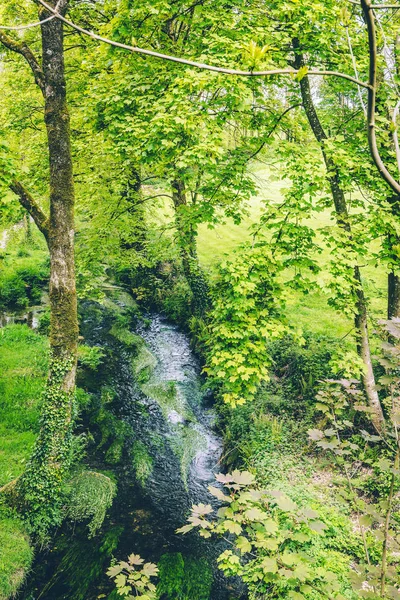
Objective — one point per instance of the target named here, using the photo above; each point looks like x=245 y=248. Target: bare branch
x=23 y=49
x=370 y=20
x=33 y=208
x=28 y=26
x=192 y=63
x=269 y=134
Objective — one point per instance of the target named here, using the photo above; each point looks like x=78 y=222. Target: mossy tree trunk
x=40 y=485
x=186 y=235
x=342 y=217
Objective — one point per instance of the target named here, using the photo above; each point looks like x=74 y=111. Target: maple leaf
x=135 y=559
x=150 y=570
x=243 y=477
x=219 y=494
x=114 y=571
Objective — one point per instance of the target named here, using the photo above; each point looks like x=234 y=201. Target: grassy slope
x=311 y=311
x=23 y=357
x=23 y=367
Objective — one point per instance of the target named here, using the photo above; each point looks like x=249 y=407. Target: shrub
x=22 y=286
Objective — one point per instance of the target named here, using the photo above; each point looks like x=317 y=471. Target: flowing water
x=170 y=457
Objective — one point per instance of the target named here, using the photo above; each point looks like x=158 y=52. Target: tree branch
x=30 y=204
x=27 y=26
x=373 y=53
x=23 y=49
x=192 y=63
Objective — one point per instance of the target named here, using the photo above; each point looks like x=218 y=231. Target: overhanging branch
x=23 y=49
x=191 y=63
x=33 y=208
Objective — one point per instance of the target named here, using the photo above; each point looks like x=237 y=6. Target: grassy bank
x=23 y=367
x=310 y=311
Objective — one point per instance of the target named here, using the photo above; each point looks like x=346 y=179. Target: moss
x=171 y=574
x=126 y=337
x=185 y=446
x=184 y=578
x=16 y=555
x=142 y=462
x=167 y=395
x=114 y=453
x=143 y=364
x=90 y=495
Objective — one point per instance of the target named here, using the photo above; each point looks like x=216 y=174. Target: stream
x=170 y=456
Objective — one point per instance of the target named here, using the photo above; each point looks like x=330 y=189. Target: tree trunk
x=187 y=243
x=393 y=278
x=63 y=302
x=342 y=216
x=42 y=480
x=393 y=296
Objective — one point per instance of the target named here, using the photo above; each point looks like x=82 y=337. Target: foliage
x=40 y=489
x=353 y=446
x=90 y=356
x=90 y=495
x=184 y=578
x=133 y=579
x=22 y=286
x=161 y=287
x=23 y=367
x=271 y=547
x=246 y=315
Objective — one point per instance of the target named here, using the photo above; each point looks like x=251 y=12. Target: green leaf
x=301 y=73
x=150 y=570
x=243 y=544
x=114 y=571
x=269 y=565
x=286 y=504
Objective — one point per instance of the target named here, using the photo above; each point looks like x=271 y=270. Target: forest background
x=249 y=211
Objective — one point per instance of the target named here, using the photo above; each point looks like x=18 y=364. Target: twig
x=28 y=26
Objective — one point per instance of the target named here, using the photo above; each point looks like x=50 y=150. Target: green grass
x=23 y=367
x=308 y=311
x=15 y=556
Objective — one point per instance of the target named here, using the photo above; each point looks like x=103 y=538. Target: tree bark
x=393 y=308
x=393 y=296
x=63 y=302
x=342 y=216
x=41 y=482
x=187 y=243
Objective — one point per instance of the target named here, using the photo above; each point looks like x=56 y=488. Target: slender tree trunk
x=393 y=278
x=187 y=242
x=64 y=321
x=342 y=216
x=136 y=237
x=42 y=480
x=393 y=296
